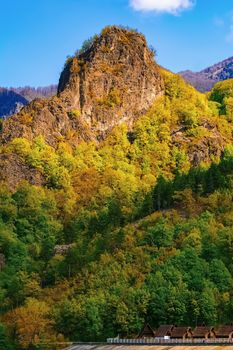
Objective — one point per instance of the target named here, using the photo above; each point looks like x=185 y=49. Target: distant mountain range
x=205 y=79
x=12 y=99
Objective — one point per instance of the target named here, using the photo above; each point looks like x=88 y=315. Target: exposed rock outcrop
x=116 y=80
x=63 y=249
x=13 y=170
x=204 y=148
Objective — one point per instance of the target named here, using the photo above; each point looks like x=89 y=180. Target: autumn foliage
x=135 y=228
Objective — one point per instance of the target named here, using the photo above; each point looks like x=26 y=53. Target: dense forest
x=136 y=228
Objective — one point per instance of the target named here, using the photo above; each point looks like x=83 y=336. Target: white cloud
x=170 y=6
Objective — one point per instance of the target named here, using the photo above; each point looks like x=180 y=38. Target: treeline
x=30 y=93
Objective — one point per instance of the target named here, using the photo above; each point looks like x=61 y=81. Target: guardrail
x=161 y=341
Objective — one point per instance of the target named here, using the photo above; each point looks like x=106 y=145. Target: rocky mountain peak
x=114 y=80
x=111 y=80
x=114 y=46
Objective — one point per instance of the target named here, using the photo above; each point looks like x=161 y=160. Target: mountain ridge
x=13 y=99
x=205 y=79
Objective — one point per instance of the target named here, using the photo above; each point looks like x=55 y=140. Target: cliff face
x=116 y=80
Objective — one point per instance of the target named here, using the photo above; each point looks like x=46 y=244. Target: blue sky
x=37 y=35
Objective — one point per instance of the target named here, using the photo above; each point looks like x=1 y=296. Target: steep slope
x=115 y=81
x=205 y=79
x=13 y=99
x=180 y=130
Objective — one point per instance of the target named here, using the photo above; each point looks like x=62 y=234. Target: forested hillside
x=119 y=216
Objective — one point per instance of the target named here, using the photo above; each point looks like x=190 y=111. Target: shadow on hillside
x=201 y=181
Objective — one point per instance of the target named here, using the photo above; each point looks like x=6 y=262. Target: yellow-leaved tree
x=31 y=323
